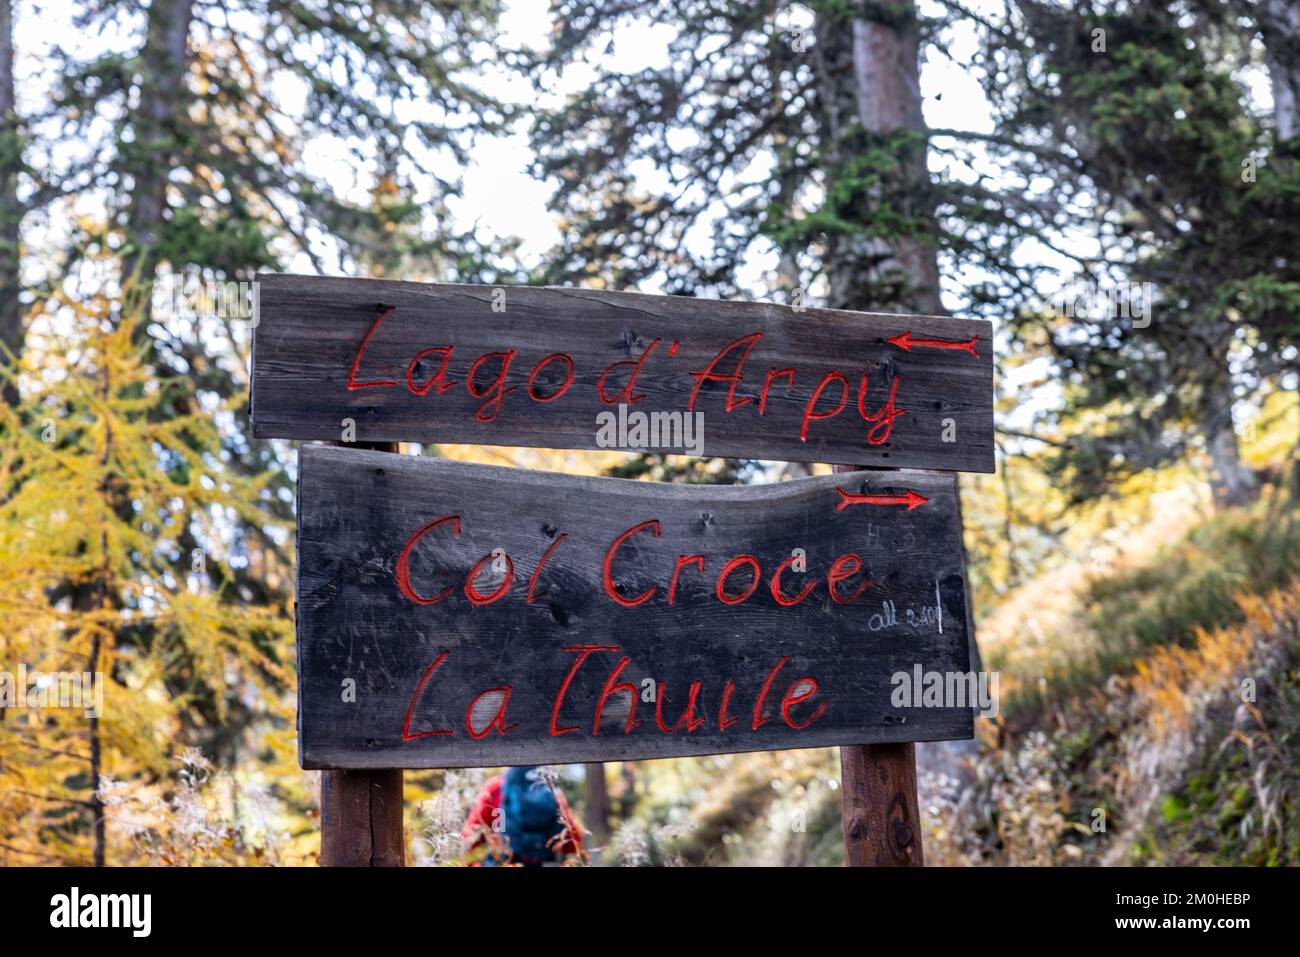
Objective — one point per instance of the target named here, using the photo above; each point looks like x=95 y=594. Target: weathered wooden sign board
x=456 y=615
x=531 y=366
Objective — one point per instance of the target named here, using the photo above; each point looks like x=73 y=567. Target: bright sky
x=500 y=195
x=500 y=198
x=505 y=200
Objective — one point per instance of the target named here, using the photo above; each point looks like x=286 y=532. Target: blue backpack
x=531 y=816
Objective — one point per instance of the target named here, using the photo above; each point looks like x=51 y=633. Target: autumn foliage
x=119 y=547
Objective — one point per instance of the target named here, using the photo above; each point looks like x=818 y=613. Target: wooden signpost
x=530 y=366
x=454 y=615
x=494 y=616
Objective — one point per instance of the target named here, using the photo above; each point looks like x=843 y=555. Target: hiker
x=523 y=821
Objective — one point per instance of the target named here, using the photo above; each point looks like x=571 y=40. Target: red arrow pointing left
x=905 y=341
x=910 y=499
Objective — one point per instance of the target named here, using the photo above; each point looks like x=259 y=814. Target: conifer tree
x=1138 y=120
x=120 y=535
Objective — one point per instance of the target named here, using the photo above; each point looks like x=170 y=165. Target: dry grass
x=1190 y=759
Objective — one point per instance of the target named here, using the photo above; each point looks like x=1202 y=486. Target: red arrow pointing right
x=911 y=499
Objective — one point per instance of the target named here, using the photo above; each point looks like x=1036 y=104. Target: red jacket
x=478 y=826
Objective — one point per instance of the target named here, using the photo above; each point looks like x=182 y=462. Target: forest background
x=1116 y=185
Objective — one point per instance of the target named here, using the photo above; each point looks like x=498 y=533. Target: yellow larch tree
x=127 y=638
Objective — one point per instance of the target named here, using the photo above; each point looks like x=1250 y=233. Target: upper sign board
x=373 y=360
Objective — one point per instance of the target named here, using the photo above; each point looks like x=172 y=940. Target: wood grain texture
x=310 y=332
x=882 y=823
x=362 y=823
x=358 y=509
x=361 y=819
x=879 y=811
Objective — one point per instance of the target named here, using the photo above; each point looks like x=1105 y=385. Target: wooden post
x=361 y=819
x=882 y=821
x=361 y=811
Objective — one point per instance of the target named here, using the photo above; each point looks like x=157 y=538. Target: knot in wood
x=903 y=835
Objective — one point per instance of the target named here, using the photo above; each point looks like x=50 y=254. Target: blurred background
x=1115 y=185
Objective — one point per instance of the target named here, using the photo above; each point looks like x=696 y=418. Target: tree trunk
x=148 y=160
x=1279 y=22
x=869 y=84
x=597 y=811
x=92 y=596
x=870 y=90
x=1231 y=483
x=11 y=211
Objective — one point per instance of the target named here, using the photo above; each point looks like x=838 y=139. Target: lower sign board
x=456 y=615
